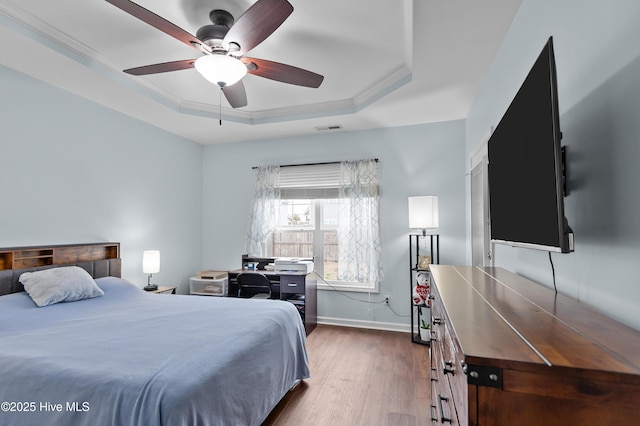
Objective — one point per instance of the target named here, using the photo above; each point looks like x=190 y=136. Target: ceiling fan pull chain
x=220 y=105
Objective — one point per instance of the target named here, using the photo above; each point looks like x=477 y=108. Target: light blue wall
x=598 y=63
x=73 y=172
x=415 y=160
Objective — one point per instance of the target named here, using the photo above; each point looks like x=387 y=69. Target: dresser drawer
x=453 y=369
x=437 y=312
x=443 y=409
x=444 y=369
x=292 y=284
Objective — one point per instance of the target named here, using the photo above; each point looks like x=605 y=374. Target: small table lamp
x=151 y=265
x=423 y=213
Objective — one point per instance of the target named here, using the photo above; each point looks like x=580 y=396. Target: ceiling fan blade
x=282 y=72
x=160 y=23
x=163 y=67
x=236 y=94
x=257 y=23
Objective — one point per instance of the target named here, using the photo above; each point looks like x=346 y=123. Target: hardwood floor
x=359 y=377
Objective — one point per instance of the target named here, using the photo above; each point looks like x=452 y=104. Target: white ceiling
x=386 y=62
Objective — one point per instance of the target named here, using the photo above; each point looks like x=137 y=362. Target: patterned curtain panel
x=359 y=252
x=263 y=215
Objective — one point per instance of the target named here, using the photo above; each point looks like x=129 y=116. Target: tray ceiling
x=385 y=63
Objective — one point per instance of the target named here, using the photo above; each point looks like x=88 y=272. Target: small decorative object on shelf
x=425 y=330
x=424 y=262
x=422 y=288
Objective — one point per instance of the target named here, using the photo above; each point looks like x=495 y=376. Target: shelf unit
x=433 y=250
x=31 y=257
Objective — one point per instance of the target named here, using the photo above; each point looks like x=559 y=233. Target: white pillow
x=65 y=284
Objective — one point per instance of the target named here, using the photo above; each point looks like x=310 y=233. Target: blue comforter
x=134 y=358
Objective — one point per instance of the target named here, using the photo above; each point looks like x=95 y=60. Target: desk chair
x=253 y=285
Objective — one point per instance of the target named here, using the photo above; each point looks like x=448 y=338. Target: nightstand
x=164 y=290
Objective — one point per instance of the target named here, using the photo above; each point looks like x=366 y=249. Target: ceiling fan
x=223 y=45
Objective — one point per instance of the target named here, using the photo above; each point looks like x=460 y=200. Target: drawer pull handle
x=437 y=320
x=443 y=419
x=434 y=377
x=292 y=284
x=434 y=416
x=446 y=370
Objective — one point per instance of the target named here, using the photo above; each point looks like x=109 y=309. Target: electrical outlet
x=386 y=299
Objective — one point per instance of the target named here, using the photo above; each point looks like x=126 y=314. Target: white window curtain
x=359 y=251
x=263 y=215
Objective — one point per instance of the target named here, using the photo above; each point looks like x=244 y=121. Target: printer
x=292 y=266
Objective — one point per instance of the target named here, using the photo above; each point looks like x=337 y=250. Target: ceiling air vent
x=332 y=127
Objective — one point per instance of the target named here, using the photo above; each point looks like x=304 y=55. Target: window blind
x=311 y=181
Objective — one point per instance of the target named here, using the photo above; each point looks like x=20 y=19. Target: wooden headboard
x=98 y=259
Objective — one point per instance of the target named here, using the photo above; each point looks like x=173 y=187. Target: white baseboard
x=373 y=325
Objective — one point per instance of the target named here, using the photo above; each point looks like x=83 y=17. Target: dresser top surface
x=498 y=315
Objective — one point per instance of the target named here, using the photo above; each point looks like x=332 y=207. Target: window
x=323 y=211
x=308 y=228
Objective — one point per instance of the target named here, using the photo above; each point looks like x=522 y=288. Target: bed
x=129 y=357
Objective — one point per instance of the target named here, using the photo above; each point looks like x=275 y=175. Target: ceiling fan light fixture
x=222 y=70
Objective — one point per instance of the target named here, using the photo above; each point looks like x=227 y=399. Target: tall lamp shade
x=423 y=213
x=150 y=265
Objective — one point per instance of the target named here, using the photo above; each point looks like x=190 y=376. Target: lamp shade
x=423 y=212
x=222 y=70
x=151 y=261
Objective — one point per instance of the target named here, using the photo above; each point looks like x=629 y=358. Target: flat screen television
x=526 y=166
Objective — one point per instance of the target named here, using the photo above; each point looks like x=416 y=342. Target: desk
x=301 y=290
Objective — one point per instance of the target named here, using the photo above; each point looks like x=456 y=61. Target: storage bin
x=208 y=287
x=212 y=274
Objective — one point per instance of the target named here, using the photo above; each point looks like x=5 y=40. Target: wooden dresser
x=508 y=351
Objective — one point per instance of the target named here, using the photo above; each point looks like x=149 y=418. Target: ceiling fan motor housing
x=213 y=34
